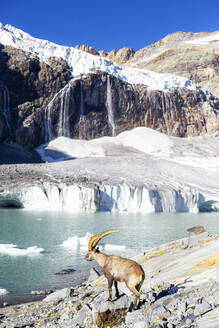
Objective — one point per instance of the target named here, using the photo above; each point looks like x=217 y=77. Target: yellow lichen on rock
x=161 y=319
x=210 y=262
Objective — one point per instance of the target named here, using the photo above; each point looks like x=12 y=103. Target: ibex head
x=94 y=240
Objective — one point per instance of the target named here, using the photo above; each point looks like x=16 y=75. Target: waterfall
x=82 y=122
x=82 y=98
x=48 y=121
x=5 y=107
x=109 y=106
x=63 y=122
x=63 y=126
x=164 y=110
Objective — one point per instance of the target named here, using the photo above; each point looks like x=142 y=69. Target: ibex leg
x=137 y=295
x=110 y=283
x=116 y=287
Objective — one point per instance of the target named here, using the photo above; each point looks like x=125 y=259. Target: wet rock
x=196 y=230
x=66 y=271
x=41 y=292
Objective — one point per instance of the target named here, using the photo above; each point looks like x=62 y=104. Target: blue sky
x=109 y=24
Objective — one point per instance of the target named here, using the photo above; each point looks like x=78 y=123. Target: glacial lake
x=23 y=269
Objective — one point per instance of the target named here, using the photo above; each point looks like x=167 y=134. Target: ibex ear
x=97 y=250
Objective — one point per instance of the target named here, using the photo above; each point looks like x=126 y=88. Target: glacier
x=113 y=198
x=140 y=170
x=81 y=62
x=120 y=198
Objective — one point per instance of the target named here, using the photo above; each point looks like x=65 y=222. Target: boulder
x=202 y=308
x=106 y=311
x=94 y=274
x=159 y=313
x=59 y=295
x=66 y=271
x=136 y=319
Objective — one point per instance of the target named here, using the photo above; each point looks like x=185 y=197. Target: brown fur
x=119 y=269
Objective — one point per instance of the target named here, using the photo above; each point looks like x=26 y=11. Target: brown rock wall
x=180 y=112
x=31 y=83
x=44 y=104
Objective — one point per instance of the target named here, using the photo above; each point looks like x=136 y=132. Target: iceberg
x=13 y=250
x=3 y=291
x=76 y=242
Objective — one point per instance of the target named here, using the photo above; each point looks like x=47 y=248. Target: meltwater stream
x=32 y=249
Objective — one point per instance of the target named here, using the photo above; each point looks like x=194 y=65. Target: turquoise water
x=20 y=274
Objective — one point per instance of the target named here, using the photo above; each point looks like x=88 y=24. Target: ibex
x=116 y=268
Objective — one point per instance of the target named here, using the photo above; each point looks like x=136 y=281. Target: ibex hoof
x=109 y=299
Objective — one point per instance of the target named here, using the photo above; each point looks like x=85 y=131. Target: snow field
x=81 y=62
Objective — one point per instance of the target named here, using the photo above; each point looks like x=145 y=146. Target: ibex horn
x=96 y=238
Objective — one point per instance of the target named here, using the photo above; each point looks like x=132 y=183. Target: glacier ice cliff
x=114 y=198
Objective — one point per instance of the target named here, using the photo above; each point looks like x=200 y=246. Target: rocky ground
x=181 y=289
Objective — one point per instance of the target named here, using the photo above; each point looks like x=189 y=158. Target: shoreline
x=39 y=295
x=181 y=289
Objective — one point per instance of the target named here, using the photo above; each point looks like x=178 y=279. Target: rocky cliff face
x=30 y=85
x=45 y=103
x=89 y=49
x=120 y=56
x=81 y=110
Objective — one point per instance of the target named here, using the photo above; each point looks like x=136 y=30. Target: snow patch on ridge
x=202 y=151
x=81 y=62
x=206 y=40
x=140 y=139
